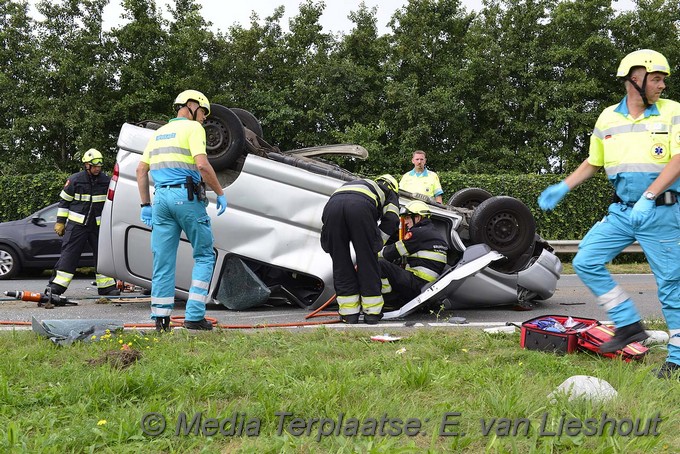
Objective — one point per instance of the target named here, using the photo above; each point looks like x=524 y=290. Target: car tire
x=225 y=139
x=248 y=120
x=505 y=224
x=9 y=262
x=469 y=198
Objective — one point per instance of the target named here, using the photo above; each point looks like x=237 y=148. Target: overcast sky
x=225 y=13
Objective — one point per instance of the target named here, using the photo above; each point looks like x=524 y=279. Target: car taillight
x=114 y=182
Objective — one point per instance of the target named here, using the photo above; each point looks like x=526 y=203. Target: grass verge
x=280 y=391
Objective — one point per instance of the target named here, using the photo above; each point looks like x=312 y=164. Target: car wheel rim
x=6 y=263
x=216 y=135
x=502 y=229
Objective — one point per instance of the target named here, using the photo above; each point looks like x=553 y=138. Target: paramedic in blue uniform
x=351 y=215
x=424 y=249
x=81 y=202
x=176 y=157
x=637 y=141
x=420 y=180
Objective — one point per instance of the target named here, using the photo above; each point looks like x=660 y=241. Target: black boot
x=351 y=319
x=162 y=324
x=372 y=319
x=668 y=370
x=111 y=290
x=200 y=325
x=623 y=336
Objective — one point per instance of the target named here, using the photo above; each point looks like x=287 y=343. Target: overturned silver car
x=267 y=242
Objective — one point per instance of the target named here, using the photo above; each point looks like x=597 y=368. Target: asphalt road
x=571 y=298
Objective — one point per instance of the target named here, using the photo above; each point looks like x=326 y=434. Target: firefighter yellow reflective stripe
x=76 y=217
x=348 y=305
x=385 y=286
x=62 y=212
x=430 y=255
x=372 y=304
x=423 y=273
x=66 y=196
x=62 y=278
x=391 y=207
x=104 y=281
x=401 y=248
x=99 y=198
x=384 y=237
x=613 y=298
x=358 y=188
x=99 y=220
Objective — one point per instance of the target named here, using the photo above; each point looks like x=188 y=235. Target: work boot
x=668 y=370
x=351 y=319
x=162 y=324
x=623 y=336
x=111 y=290
x=200 y=325
x=372 y=319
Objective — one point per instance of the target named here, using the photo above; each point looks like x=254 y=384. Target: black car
x=31 y=244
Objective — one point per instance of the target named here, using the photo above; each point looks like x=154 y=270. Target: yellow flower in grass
x=101 y=422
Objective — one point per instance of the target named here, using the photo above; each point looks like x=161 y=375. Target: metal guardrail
x=571 y=246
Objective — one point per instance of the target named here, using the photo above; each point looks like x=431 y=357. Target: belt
x=665 y=198
x=181 y=185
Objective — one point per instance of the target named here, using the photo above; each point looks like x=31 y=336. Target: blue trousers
x=659 y=237
x=172 y=214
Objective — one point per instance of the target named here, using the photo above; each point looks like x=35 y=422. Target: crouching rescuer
x=351 y=215
x=78 y=218
x=424 y=250
x=177 y=159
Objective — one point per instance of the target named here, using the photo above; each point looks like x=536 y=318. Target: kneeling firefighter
x=424 y=250
x=81 y=203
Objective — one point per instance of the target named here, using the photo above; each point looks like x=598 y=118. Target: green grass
x=616 y=268
x=78 y=399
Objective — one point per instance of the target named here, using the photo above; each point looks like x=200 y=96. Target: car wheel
x=225 y=139
x=469 y=198
x=248 y=120
x=505 y=224
x=9 y=262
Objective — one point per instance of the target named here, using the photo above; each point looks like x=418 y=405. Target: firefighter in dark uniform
x=424 y=250
x=351 y=215
x=81 y=203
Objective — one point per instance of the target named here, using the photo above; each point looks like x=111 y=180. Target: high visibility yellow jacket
x=421 y=183
x=634 y=151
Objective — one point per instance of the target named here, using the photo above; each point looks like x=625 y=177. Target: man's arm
x=585 y=171
x=208 y=173
x=143 y=182
x=668 y=175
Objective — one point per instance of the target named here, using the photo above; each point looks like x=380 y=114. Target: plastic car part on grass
x=475 y=258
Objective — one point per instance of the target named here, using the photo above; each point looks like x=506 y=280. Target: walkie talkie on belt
x=190 y=189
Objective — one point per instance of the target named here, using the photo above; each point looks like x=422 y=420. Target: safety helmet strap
x=640 y=89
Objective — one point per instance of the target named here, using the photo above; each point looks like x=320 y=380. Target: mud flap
x=475 y=258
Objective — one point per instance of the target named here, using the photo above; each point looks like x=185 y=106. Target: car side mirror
x=40 y=222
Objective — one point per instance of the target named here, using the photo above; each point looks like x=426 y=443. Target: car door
x=43 y=244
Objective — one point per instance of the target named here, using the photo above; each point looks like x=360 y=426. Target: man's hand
x=552 y=195
x=641 y=211
x=221 y=204
x=146 y=215
x=59 y=228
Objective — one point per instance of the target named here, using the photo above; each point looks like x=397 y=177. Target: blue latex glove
x=641 y=211
x=221 y=204
x=552 y=195
x=146 y=215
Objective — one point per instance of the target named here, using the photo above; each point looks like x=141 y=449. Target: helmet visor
x=97 y=162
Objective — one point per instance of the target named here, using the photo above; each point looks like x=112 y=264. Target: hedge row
x=23 y=194
x=572 y=217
